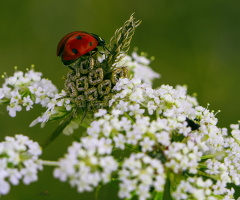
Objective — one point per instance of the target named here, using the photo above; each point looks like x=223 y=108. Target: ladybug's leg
x=87 y=54
x=96 y=50
x=71 y=68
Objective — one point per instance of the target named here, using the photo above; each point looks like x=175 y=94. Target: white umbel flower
x=19 y=159
x=23 y=89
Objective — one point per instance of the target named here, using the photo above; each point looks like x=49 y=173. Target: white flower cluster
x=227 y=169
x=18 y=160
x=172 y=107
x=197 y=188
x=140 y=173
x=87 y=164
x=58 y=107
x=182 y=157
x=139 y=67
x=25 y=90
x=168 y=136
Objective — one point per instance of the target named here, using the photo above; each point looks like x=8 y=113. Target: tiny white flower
x=16 y=97
x=27 y=101
x=147 y=144
x=119 y=141
x=4 y=187
x=13 y=108
x=163 y=138
x=100 y=113
x=104 y=146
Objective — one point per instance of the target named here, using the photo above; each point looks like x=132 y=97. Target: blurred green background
x=194 y=42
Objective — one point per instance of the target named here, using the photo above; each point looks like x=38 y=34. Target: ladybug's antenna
x=107 y=49
x=101 y=42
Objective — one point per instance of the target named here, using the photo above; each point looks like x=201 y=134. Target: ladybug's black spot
x=75 y=51
x=78 y=37
x=90 y=43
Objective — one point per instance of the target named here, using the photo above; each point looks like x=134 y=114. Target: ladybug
x=76 y=44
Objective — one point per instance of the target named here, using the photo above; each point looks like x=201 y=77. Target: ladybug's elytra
x=75 y=44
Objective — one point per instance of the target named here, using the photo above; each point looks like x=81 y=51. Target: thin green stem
x=97 y=191
x=213 y=155
x=143 y=105
x=157 y=115
x=168 y=188
x=132 y=148
x=129 y=117
x=215 y=177
x=50 y=163
x=202 y=165
x=158 y=195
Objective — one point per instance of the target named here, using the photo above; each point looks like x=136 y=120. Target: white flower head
x=18 y=160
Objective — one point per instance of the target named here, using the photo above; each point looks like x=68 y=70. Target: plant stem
x=59 y=129
x=97 y=191
x=215 y=177
x=213 y=155
x=50 y=163
x=129 y=117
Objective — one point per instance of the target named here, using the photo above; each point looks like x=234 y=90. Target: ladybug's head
x=101 y=41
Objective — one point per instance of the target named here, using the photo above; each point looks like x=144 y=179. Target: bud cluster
x=89 y=84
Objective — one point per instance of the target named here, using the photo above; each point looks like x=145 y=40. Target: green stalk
x=215 y=177
x=50 y=163
x=213 y=155
x=125 y=114
x=59 y=129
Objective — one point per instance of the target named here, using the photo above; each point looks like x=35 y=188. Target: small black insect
x=194 y=126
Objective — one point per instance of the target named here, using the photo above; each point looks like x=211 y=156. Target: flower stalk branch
x=50 y=163
x=213 y=155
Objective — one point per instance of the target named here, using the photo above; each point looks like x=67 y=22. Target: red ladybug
x=76 y=44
